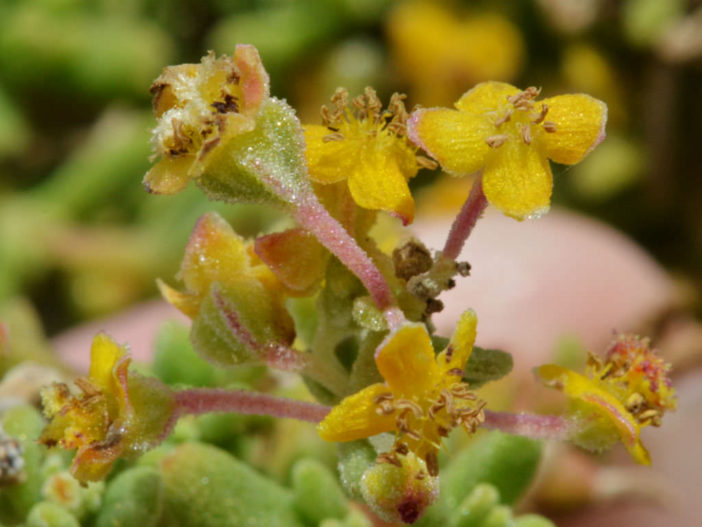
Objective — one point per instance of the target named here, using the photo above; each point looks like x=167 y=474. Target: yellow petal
x=170 y=175
x=581 y=388
x=188 y=304
x=406 y=360
x=104 y=355
x=518 y=181
x=329 y=161
x=455 y=139
x=486 y=97
x=355 y=417
x=214 y=253
x=379 y=183
x=580 y=126
x=461 y=345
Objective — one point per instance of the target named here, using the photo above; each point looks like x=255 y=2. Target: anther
x=542 y=114
x=388 y=457
x=526 y=134
x=549 y=126
x=432 y=464
x=336 y=136
x=425 y=162
x=505 y=118
x=496 y=141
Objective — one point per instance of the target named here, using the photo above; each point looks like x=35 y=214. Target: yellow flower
x=116 y=413
x=368 y=148
x=422 y=398
x=439 y=53
x=619 y=396
x=509 y=136
x=217 y=254
x=199 y=108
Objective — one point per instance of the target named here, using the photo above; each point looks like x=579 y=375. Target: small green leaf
x=317 y=492
x=486 y=365
x=476 y=507
x=355 y=457
x=175 y=361
x=508 y=462
x=134 y=497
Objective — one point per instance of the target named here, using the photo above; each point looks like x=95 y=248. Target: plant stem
x=529 y=425
x=310 y=213
x=196 y=401
x=466 y=219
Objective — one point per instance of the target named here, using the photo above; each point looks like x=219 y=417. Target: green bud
x=367 y=315
x=133 y=498
x=47 y=514
x=265 y=165
x=399 y=493
x=206 y=486
x=317 y=492
x=508 y=462
x=485 y=365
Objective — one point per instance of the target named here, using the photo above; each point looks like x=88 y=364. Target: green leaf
x=134 y=497
x=206 y=486
x=317 y=492
x=508 y=462
x=486 y=365
x=355 y=457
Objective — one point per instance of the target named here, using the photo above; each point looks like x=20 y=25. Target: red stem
x=198 y=401
x=466 y=219
x=529 y=425
x=310 y=213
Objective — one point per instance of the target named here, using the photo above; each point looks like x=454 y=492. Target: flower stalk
x=466 y=219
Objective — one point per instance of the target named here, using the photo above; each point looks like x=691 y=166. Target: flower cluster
x=322 y=299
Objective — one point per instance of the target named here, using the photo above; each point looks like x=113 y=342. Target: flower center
x=192 y=105
x=422 y=423
x=521 y=119
x=364 y=121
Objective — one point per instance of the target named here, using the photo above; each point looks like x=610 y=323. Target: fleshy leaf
x=486 y=365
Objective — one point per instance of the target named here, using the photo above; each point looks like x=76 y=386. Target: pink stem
x=196 y=401
x=329 y=232
x=466 y=219
x=529 y=425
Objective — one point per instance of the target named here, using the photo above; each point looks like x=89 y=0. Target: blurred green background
x=81 y=238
